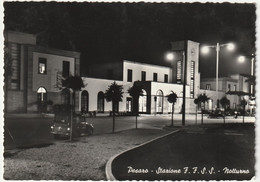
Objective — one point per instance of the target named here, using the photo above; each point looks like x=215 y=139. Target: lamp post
x=170 y=56
x=205 y=50
x=242 y=59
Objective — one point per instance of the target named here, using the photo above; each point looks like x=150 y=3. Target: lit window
x=207 y=86
x=128 y=104
x=42 y=65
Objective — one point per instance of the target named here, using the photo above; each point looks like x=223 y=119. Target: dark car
x=62 y=125
x=216 y=114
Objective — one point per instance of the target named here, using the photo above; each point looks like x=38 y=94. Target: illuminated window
x=143 y=101
x=100 y=104
x=84 y=101
x=159 y=101
x=42 y=66
x=42 y=94
x=128 y=104
x=207 y=86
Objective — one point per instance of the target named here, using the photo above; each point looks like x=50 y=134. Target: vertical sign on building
x=192 y=75
x=179 y=70
x=59 y=80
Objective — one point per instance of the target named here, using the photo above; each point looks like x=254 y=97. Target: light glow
x=170 y=56
x=231 y=46
x=241 y=59
x=205 y=50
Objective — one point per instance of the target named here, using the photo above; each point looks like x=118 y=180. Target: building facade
x=235 y=87
x=34 y=78
x=35 y=73
x=157 y=82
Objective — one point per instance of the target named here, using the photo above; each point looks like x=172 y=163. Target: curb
x=109 y=174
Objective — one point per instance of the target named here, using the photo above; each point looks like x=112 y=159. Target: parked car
x=216 y=114
x=62 y=121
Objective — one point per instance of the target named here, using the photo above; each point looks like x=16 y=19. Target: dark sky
x=109 y=32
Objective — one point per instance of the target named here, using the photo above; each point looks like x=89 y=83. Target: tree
x=196 y=101
x=202 y=98
x=243 y=103
x=224 y=101
x=135 y=92
x=75 y=83
x=172 y=98
x=114 y=94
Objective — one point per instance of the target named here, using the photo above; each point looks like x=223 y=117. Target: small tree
x=135 y=92
x=196 y=101
x=202 y=98
x=224 y=101
x=243 y=103
x=75 y=83
x=172 y=98
x=114 y=94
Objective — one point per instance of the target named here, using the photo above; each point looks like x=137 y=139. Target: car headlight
x=51 y=127
x=68 y=129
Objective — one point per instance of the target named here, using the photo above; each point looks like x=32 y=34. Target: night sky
x=142 y=32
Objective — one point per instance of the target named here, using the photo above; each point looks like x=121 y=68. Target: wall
x=15 y=101
x=54 y=65
x=93 y=86
x=19 y=37
x=137 y=69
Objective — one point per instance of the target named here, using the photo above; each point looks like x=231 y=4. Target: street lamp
x=205 y=50
x=170 y=57
x=242 y=59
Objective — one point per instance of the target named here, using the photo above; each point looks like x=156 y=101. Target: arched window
x=65 y=97
x=42 y=94
x=159 y=102
x=143 y=102
x=42 y=99
x=100 y=102
x=84 y=101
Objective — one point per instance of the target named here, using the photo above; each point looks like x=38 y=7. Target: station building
x=33 y=73
x=34 y=79
x=157 y=82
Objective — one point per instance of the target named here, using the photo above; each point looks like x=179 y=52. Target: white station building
x=35 y=80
